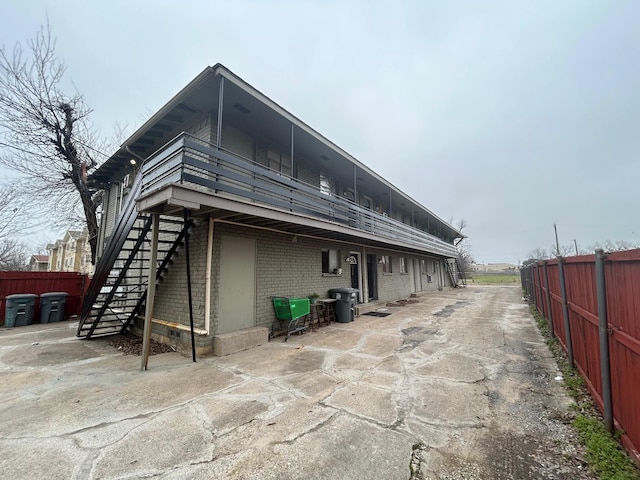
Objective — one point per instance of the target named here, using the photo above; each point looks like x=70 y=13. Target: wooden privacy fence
x=592 y=305
x=75 y=284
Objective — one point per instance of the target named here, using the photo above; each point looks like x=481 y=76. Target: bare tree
x=539 y=254
x=564 y=251
x=465 y=257
x=615 y=246
x=13 y=254
x=10 y=213
x=45 y=133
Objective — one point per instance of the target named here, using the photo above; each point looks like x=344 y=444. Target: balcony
x=190 y=173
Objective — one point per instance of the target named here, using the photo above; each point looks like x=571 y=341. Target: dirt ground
x=458 y=385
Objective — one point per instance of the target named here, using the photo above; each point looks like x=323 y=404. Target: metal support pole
x=540 y=290
x=355 y=184
x=533 y=286
x=219 y=125
x=605 y=366
x=219 y=121
x=292 y=170
x=186 y=253
x=151 y=291
x=530 y=282
x=565 y=312
x=546 y=284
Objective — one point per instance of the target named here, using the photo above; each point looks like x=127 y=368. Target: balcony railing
x=196 y=164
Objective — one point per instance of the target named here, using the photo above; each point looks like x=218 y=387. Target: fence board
x=42 y=282
x=622 y=280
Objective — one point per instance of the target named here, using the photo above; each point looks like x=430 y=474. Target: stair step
x=129 y=285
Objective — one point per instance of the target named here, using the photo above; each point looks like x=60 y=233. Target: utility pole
x=557 y=242
x=575 y=242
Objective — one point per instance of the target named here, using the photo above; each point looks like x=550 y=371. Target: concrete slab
x=459 y=384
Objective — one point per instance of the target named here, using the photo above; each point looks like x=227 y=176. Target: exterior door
x=356 y=273
x=237 y=284
x=372 y=276
x=412 y=277
x=416 y=275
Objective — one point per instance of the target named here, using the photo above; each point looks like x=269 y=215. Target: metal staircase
x=118 y=290
x=455 y=272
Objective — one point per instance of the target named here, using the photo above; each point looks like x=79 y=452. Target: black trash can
x=19 y=309
x=52 y=306
x=345 y=306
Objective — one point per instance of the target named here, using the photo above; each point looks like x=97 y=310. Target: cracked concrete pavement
x=459 y=386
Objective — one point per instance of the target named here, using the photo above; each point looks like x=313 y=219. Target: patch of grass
x=606 y=458
x=495 y=279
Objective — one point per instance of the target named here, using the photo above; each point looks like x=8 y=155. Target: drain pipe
x=207 y=279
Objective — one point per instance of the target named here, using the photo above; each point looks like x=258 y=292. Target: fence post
x=546 y=284
x=540 y=290
x=532 y=294
x=605 y=366
x=565 y=312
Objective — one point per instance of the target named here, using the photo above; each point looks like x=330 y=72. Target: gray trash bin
x=19 y=309
x=52 y=306
x=345 y=306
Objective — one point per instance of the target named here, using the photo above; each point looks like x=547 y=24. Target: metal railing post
x=546 y=284
x=565 y=312
x=605 y=366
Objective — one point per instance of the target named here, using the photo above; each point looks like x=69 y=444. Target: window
x=325 y=184
x=433 y=266
x=403 y=265
x=423 y=267
x=385 y=260
x=330 y=263
x=279 y=162
x=349 y=194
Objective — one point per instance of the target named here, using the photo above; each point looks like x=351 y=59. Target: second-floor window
x=279 y=162
x=325 y=184
x=403 y=265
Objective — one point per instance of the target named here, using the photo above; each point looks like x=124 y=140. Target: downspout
x=207 y=279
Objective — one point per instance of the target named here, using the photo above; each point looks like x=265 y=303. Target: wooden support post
x=151 y=291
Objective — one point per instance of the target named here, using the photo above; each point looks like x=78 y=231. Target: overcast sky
x=512 y=115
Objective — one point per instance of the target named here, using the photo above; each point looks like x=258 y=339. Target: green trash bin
x=52 y=306
x=19 y=309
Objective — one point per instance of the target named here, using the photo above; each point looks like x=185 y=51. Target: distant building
x=495 y=268
x=72 y=253
x=39 y=263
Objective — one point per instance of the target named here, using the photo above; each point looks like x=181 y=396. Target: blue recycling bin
x=52 y=306
x=19 y=309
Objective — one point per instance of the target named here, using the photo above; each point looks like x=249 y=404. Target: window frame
x=387 y=264
x=330 y=261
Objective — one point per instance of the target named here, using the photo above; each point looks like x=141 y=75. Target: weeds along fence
x=592 y=306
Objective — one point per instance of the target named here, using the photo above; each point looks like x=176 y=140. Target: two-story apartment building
x=271 y=208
